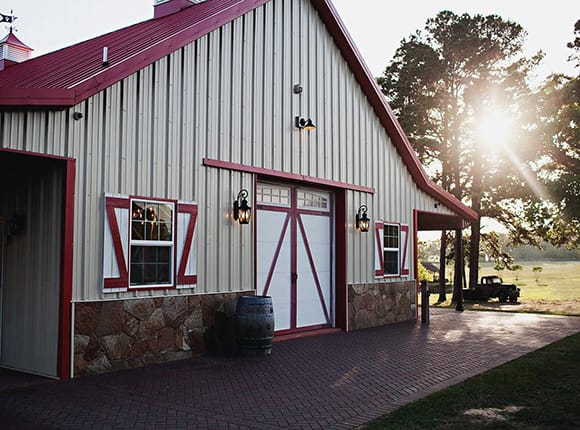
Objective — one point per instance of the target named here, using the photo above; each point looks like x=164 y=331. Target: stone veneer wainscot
x=123 y=334
x=376 y=304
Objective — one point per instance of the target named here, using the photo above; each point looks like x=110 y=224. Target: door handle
x=294 y=277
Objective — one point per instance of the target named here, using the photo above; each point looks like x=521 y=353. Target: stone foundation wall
x=112 y=335
x=372 y=305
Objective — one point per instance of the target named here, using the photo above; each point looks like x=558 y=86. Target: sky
x=376 y=26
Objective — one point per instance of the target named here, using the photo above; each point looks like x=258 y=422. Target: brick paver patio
x=331 y=381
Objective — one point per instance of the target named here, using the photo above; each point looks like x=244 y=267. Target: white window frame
x=273 y=187
x=322 y=195
x=156 y=243
x=396 y=250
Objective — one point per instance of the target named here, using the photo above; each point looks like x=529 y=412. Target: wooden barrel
x=254 y=322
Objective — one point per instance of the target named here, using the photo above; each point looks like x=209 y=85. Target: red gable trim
x=284 y=175
x=365 y=79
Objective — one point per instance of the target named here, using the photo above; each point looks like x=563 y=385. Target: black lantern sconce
x=362 y=220
x=304 y=124
x=242 y=212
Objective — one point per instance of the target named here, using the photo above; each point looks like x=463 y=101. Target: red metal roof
x=70 y=75
x=66 y=77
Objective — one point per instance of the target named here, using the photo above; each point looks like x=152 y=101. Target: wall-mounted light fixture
x=305 y=124
x=242 y=212
x=77 y=115
x=362 y=220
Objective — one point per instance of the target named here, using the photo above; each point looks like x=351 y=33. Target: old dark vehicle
x=493 y=287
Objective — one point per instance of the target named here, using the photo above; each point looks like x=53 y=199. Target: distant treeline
x=429 y=251
x=548 y=252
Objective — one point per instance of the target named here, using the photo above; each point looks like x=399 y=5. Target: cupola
x=168 y=7
x=13 y=51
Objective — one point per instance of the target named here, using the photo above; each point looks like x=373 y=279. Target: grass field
x=558 y=280
x=538 y=391
x=556 y=289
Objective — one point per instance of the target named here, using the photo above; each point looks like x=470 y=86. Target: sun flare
x=494 y=131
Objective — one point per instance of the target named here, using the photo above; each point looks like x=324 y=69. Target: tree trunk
x=442 y=252
x=458 y=276
x=474 y=252
x=475 y=226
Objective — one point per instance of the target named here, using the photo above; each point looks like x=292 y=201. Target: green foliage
x=555 y=215
x=440 y=82
x=516 y=268
x=424 y=274
x=546 y=206
x=441 y=77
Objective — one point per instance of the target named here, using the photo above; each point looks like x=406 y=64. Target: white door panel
x=271 y=226
x=313 y=264
x=298 y=276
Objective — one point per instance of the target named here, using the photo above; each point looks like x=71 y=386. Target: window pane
x=313 y=199
x=138 y=221
x=151 y=216
x=151 y=221
x=149 y=255
x=136 y=254
x=165 y=213
x=273 y=194
x=163 y=271
x=150 y=265
x=163 y=254
x=136 y=274
x=391 y=234
x=165 y=231
x=391 y=262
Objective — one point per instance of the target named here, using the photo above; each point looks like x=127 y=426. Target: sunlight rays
x=527 y=174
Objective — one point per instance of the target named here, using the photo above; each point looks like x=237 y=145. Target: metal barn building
x=121 y=158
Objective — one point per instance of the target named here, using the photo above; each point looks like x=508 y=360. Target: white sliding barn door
x=295 y=255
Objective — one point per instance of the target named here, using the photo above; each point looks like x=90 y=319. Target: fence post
x=424 y=303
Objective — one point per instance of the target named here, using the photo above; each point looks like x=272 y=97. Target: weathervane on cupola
x=9 y=19
x=12 y=50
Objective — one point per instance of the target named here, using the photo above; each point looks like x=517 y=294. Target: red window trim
x=113 y=203
x=123 y=282
x=181 y=277
x=402 y=250
x=380 y=272
x=393 y=275
x=404 y=228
